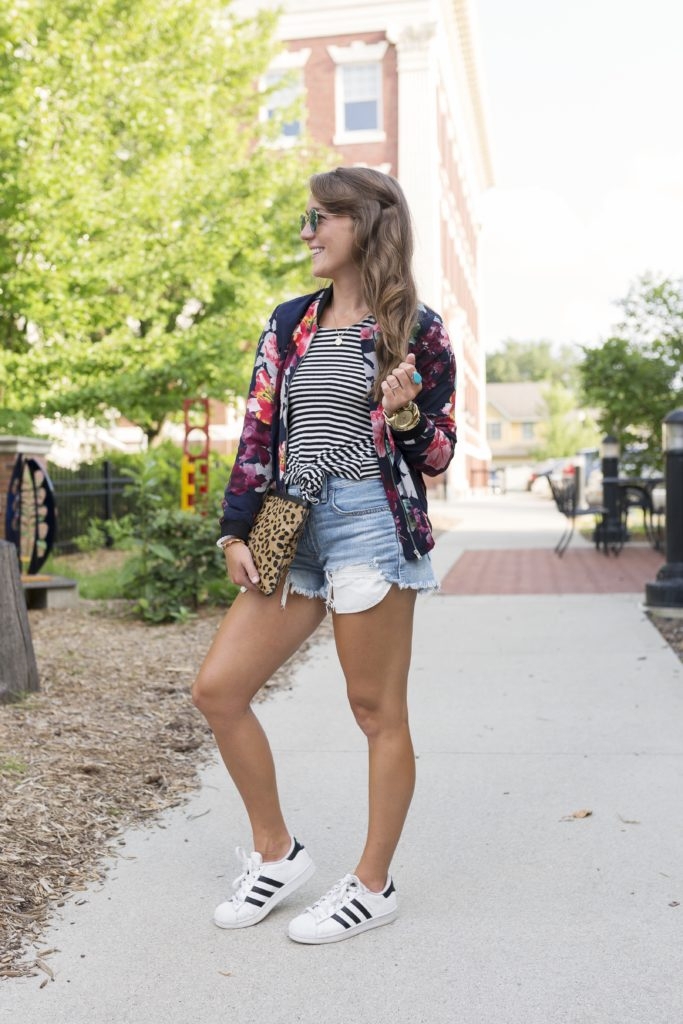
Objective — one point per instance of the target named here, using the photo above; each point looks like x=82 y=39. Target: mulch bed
x=110 y=741
x=672 y=631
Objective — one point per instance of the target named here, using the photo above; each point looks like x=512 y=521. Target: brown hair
x=383 y=251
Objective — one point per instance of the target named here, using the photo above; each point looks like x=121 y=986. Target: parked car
x=631 y=464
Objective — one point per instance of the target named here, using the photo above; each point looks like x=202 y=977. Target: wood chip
x=46 y=970
x=104 y=722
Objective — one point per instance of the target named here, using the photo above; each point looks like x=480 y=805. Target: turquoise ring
x=417 y=377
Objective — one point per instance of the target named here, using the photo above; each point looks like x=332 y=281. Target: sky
x=584 y=102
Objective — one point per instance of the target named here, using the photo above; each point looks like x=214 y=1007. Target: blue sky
x=585 y=113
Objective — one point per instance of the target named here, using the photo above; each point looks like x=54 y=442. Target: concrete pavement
x=525 y=709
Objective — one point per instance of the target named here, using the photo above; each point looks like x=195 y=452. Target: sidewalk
x=525 y=709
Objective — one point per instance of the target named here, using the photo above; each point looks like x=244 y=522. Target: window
x=528 y=431
x=284 y=95
x=358 y=91
x=361 y=86
x=493 y=430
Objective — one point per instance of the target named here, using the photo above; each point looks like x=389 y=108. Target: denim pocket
x=359 y=499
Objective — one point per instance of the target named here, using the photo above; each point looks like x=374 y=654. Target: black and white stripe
x=329 y=417
x=354 y=906
x=259 y=894
x=265 y=887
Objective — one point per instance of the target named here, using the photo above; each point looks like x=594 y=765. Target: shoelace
x=251 y=866
x=334 y=899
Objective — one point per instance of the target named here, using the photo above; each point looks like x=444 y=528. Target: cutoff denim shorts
x=349 y=553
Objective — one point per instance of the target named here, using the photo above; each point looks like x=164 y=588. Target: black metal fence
x=84 y=494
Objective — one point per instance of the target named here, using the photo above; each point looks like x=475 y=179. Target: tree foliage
x=532 y=360
x=565 y=430
x=635 y=377
x=147 y=220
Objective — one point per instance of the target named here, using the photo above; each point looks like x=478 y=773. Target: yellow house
x=514 y=413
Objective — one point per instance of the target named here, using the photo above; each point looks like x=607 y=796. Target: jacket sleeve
x=429 y=446
x=252 y=472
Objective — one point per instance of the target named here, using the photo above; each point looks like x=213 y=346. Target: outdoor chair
x=640 y=496
x=564 y=494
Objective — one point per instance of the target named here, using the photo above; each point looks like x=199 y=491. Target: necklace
x=339 y=332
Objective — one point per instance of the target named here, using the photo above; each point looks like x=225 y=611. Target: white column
x=418 y=165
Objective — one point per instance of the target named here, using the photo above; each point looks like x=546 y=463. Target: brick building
x=394 y=85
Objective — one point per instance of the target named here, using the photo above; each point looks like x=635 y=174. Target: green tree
x=635 y=377
x=148 y=220
x=566 y=430
x=532 y=360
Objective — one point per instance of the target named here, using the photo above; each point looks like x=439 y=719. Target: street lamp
x=666 y=593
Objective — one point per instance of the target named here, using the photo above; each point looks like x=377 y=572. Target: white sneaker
x=261 y=886
x=348 y=908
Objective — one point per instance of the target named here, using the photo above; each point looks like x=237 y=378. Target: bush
x=177 y=567
x=166 y=459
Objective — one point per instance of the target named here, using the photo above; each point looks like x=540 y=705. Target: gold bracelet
x=225 y=542
x=404 y=419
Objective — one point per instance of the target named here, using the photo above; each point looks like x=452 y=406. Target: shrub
x=177 y=567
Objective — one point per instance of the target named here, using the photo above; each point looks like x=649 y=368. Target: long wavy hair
x=383 y=252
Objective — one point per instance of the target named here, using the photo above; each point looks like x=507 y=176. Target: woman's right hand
x=240 y=566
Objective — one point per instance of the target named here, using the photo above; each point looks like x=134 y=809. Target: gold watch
x=405 y=418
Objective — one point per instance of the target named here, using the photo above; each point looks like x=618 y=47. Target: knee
x=376 y=718
x=203 y=693
x=214 y=696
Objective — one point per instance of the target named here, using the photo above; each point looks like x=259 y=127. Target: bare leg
x=374 y=649
x=255 y=638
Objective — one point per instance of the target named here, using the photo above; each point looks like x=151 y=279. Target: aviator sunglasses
x=312 y=218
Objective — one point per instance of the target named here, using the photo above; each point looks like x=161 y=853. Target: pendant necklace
x=340 y=333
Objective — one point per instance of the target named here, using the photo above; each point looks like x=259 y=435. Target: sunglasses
x=312 y=218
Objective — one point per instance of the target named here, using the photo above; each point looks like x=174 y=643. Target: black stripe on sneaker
x=389 y=889
x=261 y=892
x=363 y=910
x=340 y=920
x=270 y=881
x=257 y=903
x=297 y=849
x=347 y=910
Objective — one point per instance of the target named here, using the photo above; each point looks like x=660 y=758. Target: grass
x=10 y=766
x=636 y=531
x=99 y=575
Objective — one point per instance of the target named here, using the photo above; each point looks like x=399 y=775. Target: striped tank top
x=329 y=430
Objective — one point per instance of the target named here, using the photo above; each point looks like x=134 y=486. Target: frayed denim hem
x=356 y=588
x=302 y=591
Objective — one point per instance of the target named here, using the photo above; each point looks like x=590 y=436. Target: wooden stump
x=18 y=669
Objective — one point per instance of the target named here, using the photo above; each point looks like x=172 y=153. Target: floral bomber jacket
x=403 y=457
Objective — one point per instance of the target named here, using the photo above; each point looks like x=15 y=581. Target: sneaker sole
x=348 y=933
x=274 y=900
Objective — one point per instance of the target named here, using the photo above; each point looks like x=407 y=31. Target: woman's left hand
x=399 y=388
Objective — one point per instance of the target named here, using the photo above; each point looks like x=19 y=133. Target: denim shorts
x=349 y=553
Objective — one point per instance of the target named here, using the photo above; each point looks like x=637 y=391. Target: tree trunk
x=18 y=669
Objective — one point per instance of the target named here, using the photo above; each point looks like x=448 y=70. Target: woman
x=348 y=414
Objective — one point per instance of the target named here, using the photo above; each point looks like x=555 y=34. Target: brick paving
x=540 y=571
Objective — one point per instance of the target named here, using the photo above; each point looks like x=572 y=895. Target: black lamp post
x=609 y=532
x=667 y=590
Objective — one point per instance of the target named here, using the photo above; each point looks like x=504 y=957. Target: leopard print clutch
x=274 y=536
